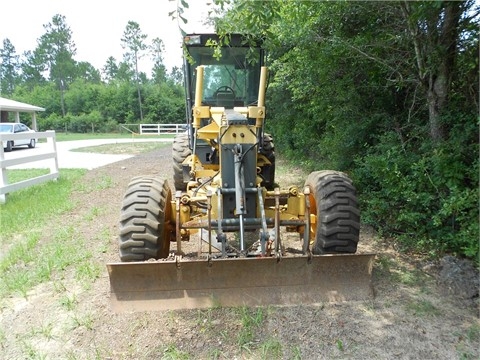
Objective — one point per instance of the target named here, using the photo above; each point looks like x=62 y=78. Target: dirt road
x=69 y=317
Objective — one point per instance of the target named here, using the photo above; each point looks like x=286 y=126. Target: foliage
x=133 y=41
x=75 y=96
x=427 y=198
x=9 y=68
x=387 y=92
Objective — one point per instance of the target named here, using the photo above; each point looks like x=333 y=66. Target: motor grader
x=224 y=194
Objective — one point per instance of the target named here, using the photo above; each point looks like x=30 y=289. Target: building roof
x=12 y=105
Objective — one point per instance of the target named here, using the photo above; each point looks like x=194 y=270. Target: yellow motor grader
x=225 y=193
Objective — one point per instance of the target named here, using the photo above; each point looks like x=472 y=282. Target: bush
x=85 y=123
x=53 y=122
x=424 y=196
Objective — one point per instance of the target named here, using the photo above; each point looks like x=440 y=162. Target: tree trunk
x=138 y=88
x=435 y=51
x=62 y=97
x=439 y=85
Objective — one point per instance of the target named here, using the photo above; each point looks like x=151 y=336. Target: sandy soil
x=70 y=318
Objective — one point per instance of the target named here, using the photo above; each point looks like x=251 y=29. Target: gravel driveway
x=74 y=159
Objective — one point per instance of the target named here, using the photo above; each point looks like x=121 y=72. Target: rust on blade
x=191 y=284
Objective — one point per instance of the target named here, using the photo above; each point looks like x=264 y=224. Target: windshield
x=6 y=128
x=230 y=81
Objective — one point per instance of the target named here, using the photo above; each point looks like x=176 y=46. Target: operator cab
x=232 y=72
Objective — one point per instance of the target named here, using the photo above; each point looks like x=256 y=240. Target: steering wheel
x=225 y=89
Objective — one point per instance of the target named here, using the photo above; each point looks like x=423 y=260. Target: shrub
x=425 y=196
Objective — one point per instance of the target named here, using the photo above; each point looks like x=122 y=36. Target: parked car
x=16 y=128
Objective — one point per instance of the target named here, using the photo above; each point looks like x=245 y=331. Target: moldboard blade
x=191 y=284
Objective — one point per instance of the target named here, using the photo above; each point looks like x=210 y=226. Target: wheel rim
x=313 y=217
x=168 y=232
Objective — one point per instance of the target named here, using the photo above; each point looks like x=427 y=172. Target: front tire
x=145 y=228
x=333 y=201
x=32 y=143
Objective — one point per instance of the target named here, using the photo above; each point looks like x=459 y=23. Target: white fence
x=155 y=129
x=158 y=129
x=6 y=188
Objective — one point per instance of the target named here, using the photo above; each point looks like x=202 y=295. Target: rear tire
x=9 y=146
x=268 y=171
x=145 y=228
x=180 y=151
x=334 y=202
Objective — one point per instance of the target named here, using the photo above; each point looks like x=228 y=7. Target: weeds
x=93 y=213
x=422 y=308
x=45 y=329
x=271 y=349
x=296 y=353
x=473 y=333
x=69 y=301
x=204 y=320
x=468 y=342
x=31 y=353
x=105 y=182
x=171 y=352
x=23 y=271
x=215 y=354
x=86 y=320
x=87 y=271
x=398 y=273
x=251 y=319
x=340 y=345
x=103 y=238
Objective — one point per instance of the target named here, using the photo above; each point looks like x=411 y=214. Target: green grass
x=25 y=261
x=130 y=148
x=271 y=349
x=251 y=319
x=468 y=342
x=27 y=209
x=14 y=176
x=84 y=319
x=69 y=301
x=422 y=308
x=89 y=136
x=171 y=352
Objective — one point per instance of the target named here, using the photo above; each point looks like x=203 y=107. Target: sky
x=97 y=26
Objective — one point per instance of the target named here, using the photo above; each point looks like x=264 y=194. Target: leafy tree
x=164 y=104
x=82 y=96
x=133 y=41
x=125 y=73
x=434 y=28
x=87 y=71
x=159 y=72
x=32 y=69
x=9 y=67
x=57 y=49
x=110 y=70
x=380 y=90
x=44 y=94
x=176 y=76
